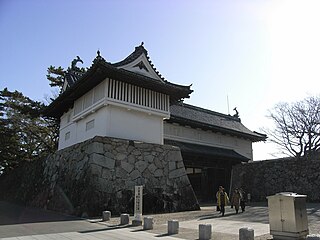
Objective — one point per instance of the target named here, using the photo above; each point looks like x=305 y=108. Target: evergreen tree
x=56 y=76
x=26 y=135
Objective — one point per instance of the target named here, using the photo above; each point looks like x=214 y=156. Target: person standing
x=222 y=199
x=235 y=200
x=242 y=200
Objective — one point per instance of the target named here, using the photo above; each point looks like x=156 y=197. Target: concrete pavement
x=28 y=223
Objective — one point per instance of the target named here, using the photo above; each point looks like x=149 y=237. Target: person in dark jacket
x=235 y=200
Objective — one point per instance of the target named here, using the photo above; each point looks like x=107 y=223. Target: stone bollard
x=246 y=234
x=205 y=231
x=124 y=219
x=173 y=226
x=147 y=223
x=313 y=237
x=106 y=215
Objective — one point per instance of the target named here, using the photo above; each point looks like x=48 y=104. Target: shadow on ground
x=15 y=214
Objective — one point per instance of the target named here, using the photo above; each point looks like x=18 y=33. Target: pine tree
x=26 y=135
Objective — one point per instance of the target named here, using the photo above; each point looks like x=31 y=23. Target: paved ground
x=28 y=223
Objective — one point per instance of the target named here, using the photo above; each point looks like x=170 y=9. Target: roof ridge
x=134 y=55
x=210 y=111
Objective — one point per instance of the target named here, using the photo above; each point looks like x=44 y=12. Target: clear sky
x=256 y=53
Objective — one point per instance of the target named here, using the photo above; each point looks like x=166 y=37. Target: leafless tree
x=297 y=127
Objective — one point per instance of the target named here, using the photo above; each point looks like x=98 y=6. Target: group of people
x=237 y=200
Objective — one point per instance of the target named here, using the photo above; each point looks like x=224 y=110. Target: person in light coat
x=222 y=199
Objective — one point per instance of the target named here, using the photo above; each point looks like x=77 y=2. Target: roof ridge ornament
x=98 y=57
x=74 y=63
x=237 y=113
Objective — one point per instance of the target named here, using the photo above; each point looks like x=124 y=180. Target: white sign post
x=138 y=202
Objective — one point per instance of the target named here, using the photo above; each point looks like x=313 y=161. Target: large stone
x=95 y=147
x=158 y=173
x=177 y=173
x=152 y=168
x=158 y=163
x=172 y=166
x=131 y=159
x=121 y=173
x=149 y=158
x=141 y=166
x=96 y=170
x=174 y=156
x=106 y=173
x=127 y=166
x=103 y=161
x=121 y=156
x=135 y=174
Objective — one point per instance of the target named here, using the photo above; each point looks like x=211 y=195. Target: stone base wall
x=265 y=178
x=100 y=174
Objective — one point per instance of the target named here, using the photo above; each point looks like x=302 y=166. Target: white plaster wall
x=112 y=121
x=66 y=125
x=134 y=125
x=198 y=136
x=99 y=129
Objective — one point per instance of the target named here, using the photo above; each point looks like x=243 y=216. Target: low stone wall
x=265 y=178
x=100 y=174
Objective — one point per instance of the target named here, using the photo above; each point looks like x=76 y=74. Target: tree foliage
x=56 y=76
x=297 y=127
x=25 y=134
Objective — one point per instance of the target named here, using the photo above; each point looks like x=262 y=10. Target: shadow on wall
x=265 y=178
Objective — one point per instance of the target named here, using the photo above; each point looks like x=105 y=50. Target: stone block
x=205 y=231
x=147 y=223
x=127 y=166
x=106 y=174
x=136 y=222
x=121 y=156
x=246 y=233
x=172 y=166
x=106 y=215
x=174 y=156
x=124 y=219
x=177 y=173
x=313 y=237
x=141 y=166
x=173 y=227
x=95 y=147
x=149 y=158
x=152 y=168
x=103 y=161
x=158 y=173
x=96 y=170
x=135 y=174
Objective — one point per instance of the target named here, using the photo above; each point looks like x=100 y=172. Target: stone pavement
x=28 y=223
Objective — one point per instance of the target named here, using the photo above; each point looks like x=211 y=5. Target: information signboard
x=138 y=195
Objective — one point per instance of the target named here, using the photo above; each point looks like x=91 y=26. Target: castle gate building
x=131 y=100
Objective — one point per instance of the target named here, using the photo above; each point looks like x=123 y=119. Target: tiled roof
x=193 y=116
x=201 y=150
x=98 y=72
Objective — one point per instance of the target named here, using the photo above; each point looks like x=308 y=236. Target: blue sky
x=256 y=53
